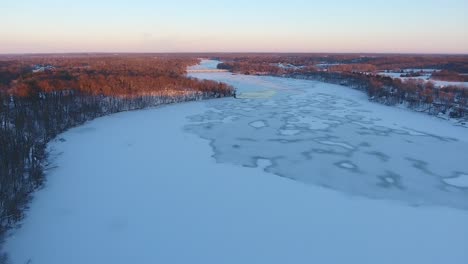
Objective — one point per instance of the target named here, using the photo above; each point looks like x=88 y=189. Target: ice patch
x=389 y=180
x=258 y=124
x=340 y=144
x=230 y=119
x=459 y=181
x=263 y=163
x=289 y=132
x=256 y=95
x=347 y=165
x=311 y=122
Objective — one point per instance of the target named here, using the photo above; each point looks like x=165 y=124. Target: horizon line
x=230 y=52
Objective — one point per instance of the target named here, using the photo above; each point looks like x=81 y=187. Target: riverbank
x=439 y=110
x=42 y=96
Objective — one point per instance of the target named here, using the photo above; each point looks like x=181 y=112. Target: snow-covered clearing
x=199 y=183
x=426 y=77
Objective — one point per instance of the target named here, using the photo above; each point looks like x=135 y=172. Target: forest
x=452 y=63
x=360 y=72
x=41 y=96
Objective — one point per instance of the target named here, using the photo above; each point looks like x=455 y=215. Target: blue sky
x=281 y=26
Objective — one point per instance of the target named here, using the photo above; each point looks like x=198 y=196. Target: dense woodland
x=446 y=75
x=360 y=72
x=453 y=63
x=42 y=96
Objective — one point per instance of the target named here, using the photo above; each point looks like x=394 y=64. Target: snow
x=258 y=124
x=331 y=143
x=315 y=127
x=289 y=132
x=447 y=83
x=288 y=66
x=258 y=94
x=207 y=65
x=195 y=183
x=426 y=76
x=347 y=165
x=327 y=65
x=459 y=180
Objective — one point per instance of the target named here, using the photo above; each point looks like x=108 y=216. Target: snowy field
x=292 y=171
x=426 y=76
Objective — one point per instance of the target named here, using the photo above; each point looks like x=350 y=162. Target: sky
x=390 y=26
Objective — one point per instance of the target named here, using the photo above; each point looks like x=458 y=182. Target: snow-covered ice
x=332 y=136
x=258 y=124
x=197 y=183
x=460 y=180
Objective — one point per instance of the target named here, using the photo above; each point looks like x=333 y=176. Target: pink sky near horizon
x=360 y=26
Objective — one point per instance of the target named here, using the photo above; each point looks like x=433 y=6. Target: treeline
x=40 y=97
x=450 y=76
x=110 y=76
x=394 y=62
x=355 y=67
x=252 y=68
x=418 y=94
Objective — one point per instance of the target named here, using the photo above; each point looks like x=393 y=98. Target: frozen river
x=333 y=137
x=291 y=171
